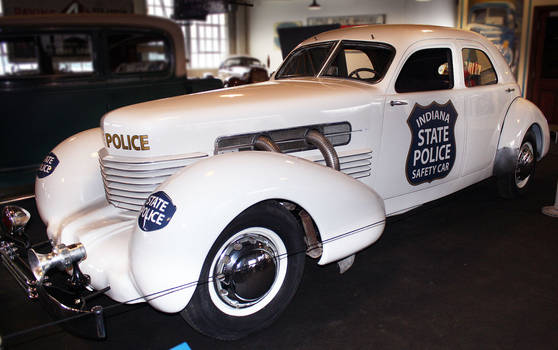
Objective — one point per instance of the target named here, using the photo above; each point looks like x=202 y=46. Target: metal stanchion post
x=552 y=210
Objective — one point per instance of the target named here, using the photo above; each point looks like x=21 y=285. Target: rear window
x=477 y=68
x=46 y=54
x=133 y=52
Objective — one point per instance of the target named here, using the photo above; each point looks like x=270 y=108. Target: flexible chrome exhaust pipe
x=318 y=140
x=265 y=143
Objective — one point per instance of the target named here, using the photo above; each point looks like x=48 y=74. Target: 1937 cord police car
x=176 y=203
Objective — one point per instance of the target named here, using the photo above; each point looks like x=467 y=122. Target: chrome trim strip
x=16 y=199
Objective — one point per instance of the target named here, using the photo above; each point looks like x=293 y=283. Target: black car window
x=477 y=68
x=425 y=70
x=360 y=61
x=133 y=52
x=46 y=54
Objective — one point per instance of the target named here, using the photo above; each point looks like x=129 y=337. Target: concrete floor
x=470 y=271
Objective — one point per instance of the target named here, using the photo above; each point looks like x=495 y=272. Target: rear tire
x=257 y=261
x=518 y=182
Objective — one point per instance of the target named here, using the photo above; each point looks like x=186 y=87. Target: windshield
x=305 y=61
x=364 y=61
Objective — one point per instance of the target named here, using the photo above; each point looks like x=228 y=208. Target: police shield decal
x=48 y=165
x=432 y=151
x=156 y=212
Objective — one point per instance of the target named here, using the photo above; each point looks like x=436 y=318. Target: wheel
x=250 y=274
x=363 y=69
x=518 y=182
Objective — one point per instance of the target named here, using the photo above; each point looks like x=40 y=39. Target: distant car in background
x=238 y=67
x=254 y=75
x=59 y=74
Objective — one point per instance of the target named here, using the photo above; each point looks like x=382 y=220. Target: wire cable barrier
x=175 y=289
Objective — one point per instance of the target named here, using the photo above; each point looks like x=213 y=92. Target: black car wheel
x=250 y=274
x=518 y=182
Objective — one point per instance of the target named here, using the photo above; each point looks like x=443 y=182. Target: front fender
x=74 y=183
x=521 y=116
x=211 y=193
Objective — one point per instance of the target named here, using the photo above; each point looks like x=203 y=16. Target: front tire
x=250 y=274
x=518 y=182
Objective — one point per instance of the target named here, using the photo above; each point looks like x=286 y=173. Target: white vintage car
x=206 y=204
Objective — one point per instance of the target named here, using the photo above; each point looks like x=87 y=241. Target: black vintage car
x=59 y=74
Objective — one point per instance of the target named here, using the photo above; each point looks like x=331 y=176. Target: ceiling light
x=314 y=5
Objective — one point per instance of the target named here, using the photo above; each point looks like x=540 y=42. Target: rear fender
x=208 y=195
x=521 y=116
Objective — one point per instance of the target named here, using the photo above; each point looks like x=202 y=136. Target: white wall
x=266 y=13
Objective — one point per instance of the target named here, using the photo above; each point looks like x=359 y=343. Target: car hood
x=192 y=123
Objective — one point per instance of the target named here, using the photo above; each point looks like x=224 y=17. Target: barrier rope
x=159 y=294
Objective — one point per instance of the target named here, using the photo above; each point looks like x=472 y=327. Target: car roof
x=397 y=35
x=402 y=36
x=241 y=56
x=54 y=21
x=87 y=19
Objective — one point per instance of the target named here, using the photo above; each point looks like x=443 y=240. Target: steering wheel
x=363 y=69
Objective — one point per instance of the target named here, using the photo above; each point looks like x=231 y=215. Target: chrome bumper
x=9 y=254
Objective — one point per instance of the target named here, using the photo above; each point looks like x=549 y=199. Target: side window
x=362 y=62
x=426 y=70
x=46 y=54
x=132 y=52
x=477 y=68
x=20 y=57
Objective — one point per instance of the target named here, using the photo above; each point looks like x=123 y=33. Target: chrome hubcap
x=246 y=270
x=525 y=164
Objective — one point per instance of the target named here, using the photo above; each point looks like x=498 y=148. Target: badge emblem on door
x=432 y=151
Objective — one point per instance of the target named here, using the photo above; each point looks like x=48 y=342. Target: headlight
x=14 y=219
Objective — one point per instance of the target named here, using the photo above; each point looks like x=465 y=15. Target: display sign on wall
x=198 y=9
x=500 y=22
x=37 y=7
x=347 y=20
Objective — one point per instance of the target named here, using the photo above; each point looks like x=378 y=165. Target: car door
x=486 y=103
x=423 y=133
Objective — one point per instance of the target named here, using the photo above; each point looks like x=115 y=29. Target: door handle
x=510 y=90
x=397 y=103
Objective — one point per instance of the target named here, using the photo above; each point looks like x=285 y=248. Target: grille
x=129 y=181
x=355 y=163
